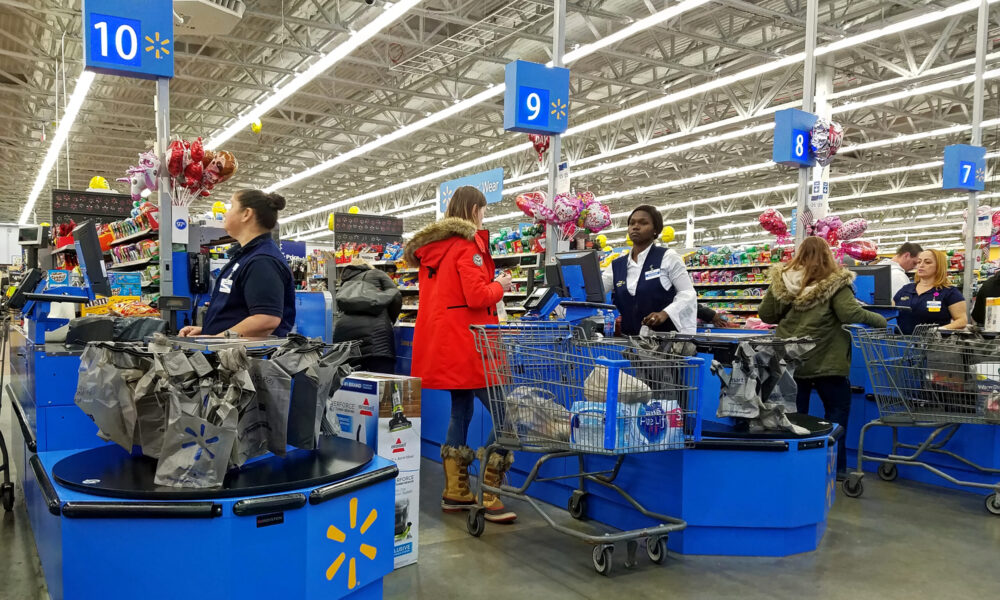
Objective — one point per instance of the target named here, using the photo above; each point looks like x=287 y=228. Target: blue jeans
x=835 y=392
x=463 y=404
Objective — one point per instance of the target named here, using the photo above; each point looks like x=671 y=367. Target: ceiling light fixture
x=83 y=84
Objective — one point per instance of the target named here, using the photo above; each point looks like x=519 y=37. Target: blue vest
x=229 y=306
x=649 y=295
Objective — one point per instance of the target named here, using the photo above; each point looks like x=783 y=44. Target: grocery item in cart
x=630 y=389
x=641 y=427
x=535 y=413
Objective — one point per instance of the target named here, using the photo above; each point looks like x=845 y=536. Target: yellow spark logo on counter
x=335 y=534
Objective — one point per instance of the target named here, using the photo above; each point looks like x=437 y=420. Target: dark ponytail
x=265 y=206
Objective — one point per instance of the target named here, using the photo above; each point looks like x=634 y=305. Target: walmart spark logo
x=157 y=45
x=199 y=439
x=559 y=109
x=340 y=537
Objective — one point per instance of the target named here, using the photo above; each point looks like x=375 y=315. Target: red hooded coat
x=456 y=290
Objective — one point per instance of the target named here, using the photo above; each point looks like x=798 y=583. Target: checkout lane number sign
x=129 y=38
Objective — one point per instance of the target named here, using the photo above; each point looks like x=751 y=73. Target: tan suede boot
x=456 y=496
x=493 y=473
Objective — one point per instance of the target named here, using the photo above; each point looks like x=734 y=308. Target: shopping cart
x=931 y=380
x=563 y=396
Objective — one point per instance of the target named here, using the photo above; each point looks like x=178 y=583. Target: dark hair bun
x=276 y=201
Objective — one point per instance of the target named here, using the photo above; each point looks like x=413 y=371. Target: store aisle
x=901 y=540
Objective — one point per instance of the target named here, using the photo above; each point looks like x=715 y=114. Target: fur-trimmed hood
x=786 y=286
x=436 y=232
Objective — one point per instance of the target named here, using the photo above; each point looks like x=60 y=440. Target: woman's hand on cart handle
x=655 y=319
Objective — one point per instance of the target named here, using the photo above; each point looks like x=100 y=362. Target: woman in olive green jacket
x=813 y=297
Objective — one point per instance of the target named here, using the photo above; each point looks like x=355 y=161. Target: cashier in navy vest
x=651 y=287
x=931 y=299
x=254 y=294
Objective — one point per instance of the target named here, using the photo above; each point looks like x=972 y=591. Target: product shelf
x=716 y=298
x=727 y=267
x=133 y=264
x=732 y=284
x=410 y=307
x=145 y=233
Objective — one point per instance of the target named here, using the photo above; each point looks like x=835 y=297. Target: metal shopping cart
x=563 y=396
x=931 y=380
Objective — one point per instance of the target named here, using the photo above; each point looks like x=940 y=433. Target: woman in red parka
x=458 y=289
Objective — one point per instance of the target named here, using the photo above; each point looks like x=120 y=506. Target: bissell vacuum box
x=397 y=404
x=353 y=410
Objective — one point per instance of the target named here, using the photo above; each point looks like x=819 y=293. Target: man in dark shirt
x=989 y=289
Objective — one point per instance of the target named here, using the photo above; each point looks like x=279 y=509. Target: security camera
x=369 y=2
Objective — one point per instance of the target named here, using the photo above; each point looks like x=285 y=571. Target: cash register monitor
x=33 y=235
x=91 y=257
x=873 y=284
x=580 y=274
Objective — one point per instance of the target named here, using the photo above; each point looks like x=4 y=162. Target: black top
x=989 y=289
x=257 y=281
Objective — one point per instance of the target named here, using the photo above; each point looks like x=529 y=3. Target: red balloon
x=540 y=142
x=863 y=250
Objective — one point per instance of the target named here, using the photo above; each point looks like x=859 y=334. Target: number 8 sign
x=536 y=98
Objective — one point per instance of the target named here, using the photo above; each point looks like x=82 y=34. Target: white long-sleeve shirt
x=683 y=310
x=899 y=275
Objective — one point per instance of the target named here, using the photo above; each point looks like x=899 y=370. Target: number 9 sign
x=536 y=98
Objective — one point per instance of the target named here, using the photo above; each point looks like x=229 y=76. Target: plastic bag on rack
x=238 y=391
x=104 y=393
x=740 y=396
x=274 y=392
x=311 y=389
x=196 y=451
x=631 y=390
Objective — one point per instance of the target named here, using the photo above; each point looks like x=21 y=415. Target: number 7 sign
x=964 y=168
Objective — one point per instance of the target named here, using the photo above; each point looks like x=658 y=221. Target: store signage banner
x=490 y=183
x=129 y=38
x=964 y=168
x=293 y=248
x=792 y=129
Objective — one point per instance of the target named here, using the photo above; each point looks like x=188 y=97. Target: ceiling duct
x=207 y=17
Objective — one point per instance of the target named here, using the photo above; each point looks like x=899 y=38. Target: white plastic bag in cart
x=630 y=389
x=535 y=413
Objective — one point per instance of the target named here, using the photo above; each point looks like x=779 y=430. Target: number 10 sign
x=536 y=99
x=132 y=38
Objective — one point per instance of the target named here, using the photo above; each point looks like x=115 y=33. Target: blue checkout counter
x=740 y=496
x=325 y=519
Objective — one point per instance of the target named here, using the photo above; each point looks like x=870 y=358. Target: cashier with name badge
x=254 y=294
x=650 y=286
x=931 y=299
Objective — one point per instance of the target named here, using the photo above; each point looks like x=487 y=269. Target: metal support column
x=808 y=88
x=689 y=229
x=552 y=239
x=162 y=105
x=982 y=30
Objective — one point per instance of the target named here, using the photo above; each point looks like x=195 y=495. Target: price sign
x=536 y=98
x=129 y=38
x=964 y=168
x=791 y=138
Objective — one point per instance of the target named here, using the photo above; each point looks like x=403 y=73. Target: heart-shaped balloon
x=863 y=250
x=852 y=229
x=540 y=143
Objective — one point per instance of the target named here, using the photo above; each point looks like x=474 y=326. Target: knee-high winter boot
x=493 y=472
x=456 y=496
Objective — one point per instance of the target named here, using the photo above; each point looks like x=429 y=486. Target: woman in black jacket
x=368 y=303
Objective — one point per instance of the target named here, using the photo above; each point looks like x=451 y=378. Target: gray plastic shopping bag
x=274 y=391
x=104 y=395
x=311 y=390
x=195 y=452
x=739 y=396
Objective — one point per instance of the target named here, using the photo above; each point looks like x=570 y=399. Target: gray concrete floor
x=901 y=540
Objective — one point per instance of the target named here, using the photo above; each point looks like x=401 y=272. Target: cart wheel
x=477 y=522
x=853 y=488
x=7 y=496
x=656 y=548
x=632 y=548
x=888 y=472
x=578 y=505
x=602 y=559
x=992 y=503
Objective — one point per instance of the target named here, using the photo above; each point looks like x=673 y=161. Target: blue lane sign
x=791 y=138
x=131 y=38
x=964 y=168
x=490 y=183
x=536 y=99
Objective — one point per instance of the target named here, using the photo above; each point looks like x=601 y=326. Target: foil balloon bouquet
x=569 y=213
x=842 y=236
x=193 y=171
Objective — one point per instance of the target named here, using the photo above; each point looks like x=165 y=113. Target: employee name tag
x=934 y=306
x=652 y=274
